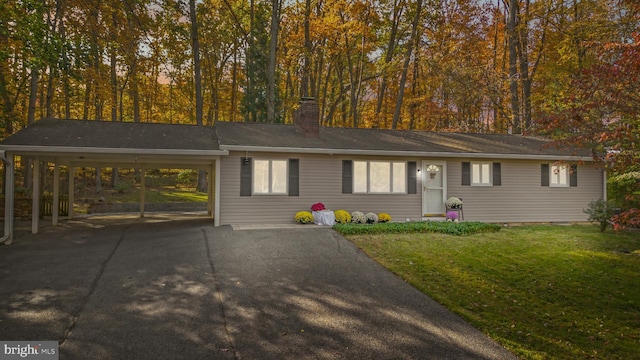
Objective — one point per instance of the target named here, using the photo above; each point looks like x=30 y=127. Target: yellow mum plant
x=384 y=217
x=342 y=216
x=304 y=217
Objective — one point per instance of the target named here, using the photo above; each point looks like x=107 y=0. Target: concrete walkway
x=158 y=289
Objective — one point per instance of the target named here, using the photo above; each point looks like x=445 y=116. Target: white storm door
x=434 y=188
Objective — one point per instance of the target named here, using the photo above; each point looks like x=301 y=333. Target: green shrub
x=600 y=213
x=342 y=216
x=187 y=177
x=622 y=187
x=445 y=227
x=304 y=217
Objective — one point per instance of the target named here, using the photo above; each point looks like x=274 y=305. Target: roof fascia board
x=404 y=153
x=46 y=150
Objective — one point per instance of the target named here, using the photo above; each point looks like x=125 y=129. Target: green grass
x=544 y=292
x=160 y=195
x=165 y=194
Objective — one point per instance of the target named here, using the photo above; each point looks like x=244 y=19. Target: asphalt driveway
x=158 y=289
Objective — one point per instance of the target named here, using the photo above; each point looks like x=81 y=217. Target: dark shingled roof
x=279 y=137
x=285 y=136
x=115 y=135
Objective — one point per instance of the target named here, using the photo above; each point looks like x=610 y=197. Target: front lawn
x=544 y=292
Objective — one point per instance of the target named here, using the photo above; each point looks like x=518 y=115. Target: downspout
x=7 y=238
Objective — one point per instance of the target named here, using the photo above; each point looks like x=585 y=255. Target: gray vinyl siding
x=521 y=198
x=320 y=179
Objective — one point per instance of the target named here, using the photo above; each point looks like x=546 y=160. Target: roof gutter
x=404 y=153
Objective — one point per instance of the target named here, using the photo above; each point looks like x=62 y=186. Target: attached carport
x=81 y=143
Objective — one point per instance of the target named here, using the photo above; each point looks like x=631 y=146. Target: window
x=481 y=173
x=270 y=177
x=379 y=177
x=559 y=176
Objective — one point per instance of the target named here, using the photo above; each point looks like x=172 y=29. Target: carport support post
x=143 y=181
x=35 y=208
x=9 y=187
x=56 y=194
x=72 y=186
x=210 y=191
x=216 y=202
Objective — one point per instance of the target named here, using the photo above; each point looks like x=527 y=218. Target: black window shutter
x=497 y=174
x=466 y=173
x=245 y=176
x=412 y=185
x=544 y=175
x=294 y=182
x=347 y=177
x=573 y=175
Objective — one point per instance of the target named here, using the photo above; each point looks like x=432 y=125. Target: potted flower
x=371 y=218
x=317 y=207
x=304 y=217
x=357 y=217
x=454 y=203
x=342 y=216
x=384 y=217
x=452 y=216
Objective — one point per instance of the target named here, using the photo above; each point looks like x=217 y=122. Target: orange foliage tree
x=603 y=112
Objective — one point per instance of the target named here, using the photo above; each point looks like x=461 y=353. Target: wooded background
x=567 y=69
x=464 y=65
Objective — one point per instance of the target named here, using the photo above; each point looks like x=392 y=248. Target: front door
x=434 y=188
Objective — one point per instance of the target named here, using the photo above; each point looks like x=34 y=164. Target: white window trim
x=553 y=176
x=286 y=178
x=368 y=175
x=481 y=163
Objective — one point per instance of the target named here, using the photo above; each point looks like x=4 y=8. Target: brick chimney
x=307 y=118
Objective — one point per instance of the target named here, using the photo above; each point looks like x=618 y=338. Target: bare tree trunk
x=271 y=71
x=54 y=66
x=66 y=87
x=113 y=62
x=414 y=88
x=398 y=8
x=31 y=115
x=97 y=98
x=33 y=96
x=195 y=43
x=114 y=85
x=234 y=82
x=513 y=66
x=306 y=67
x=405 y=67
x=8 y=103
x=53 y=72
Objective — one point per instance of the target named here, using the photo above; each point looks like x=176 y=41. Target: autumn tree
x=603 y=109
x=254 y=101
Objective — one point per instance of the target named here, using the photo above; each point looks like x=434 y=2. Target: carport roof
x=126 y=143
x=106 y=134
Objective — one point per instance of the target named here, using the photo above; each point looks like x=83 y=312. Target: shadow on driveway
x=186 y=290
